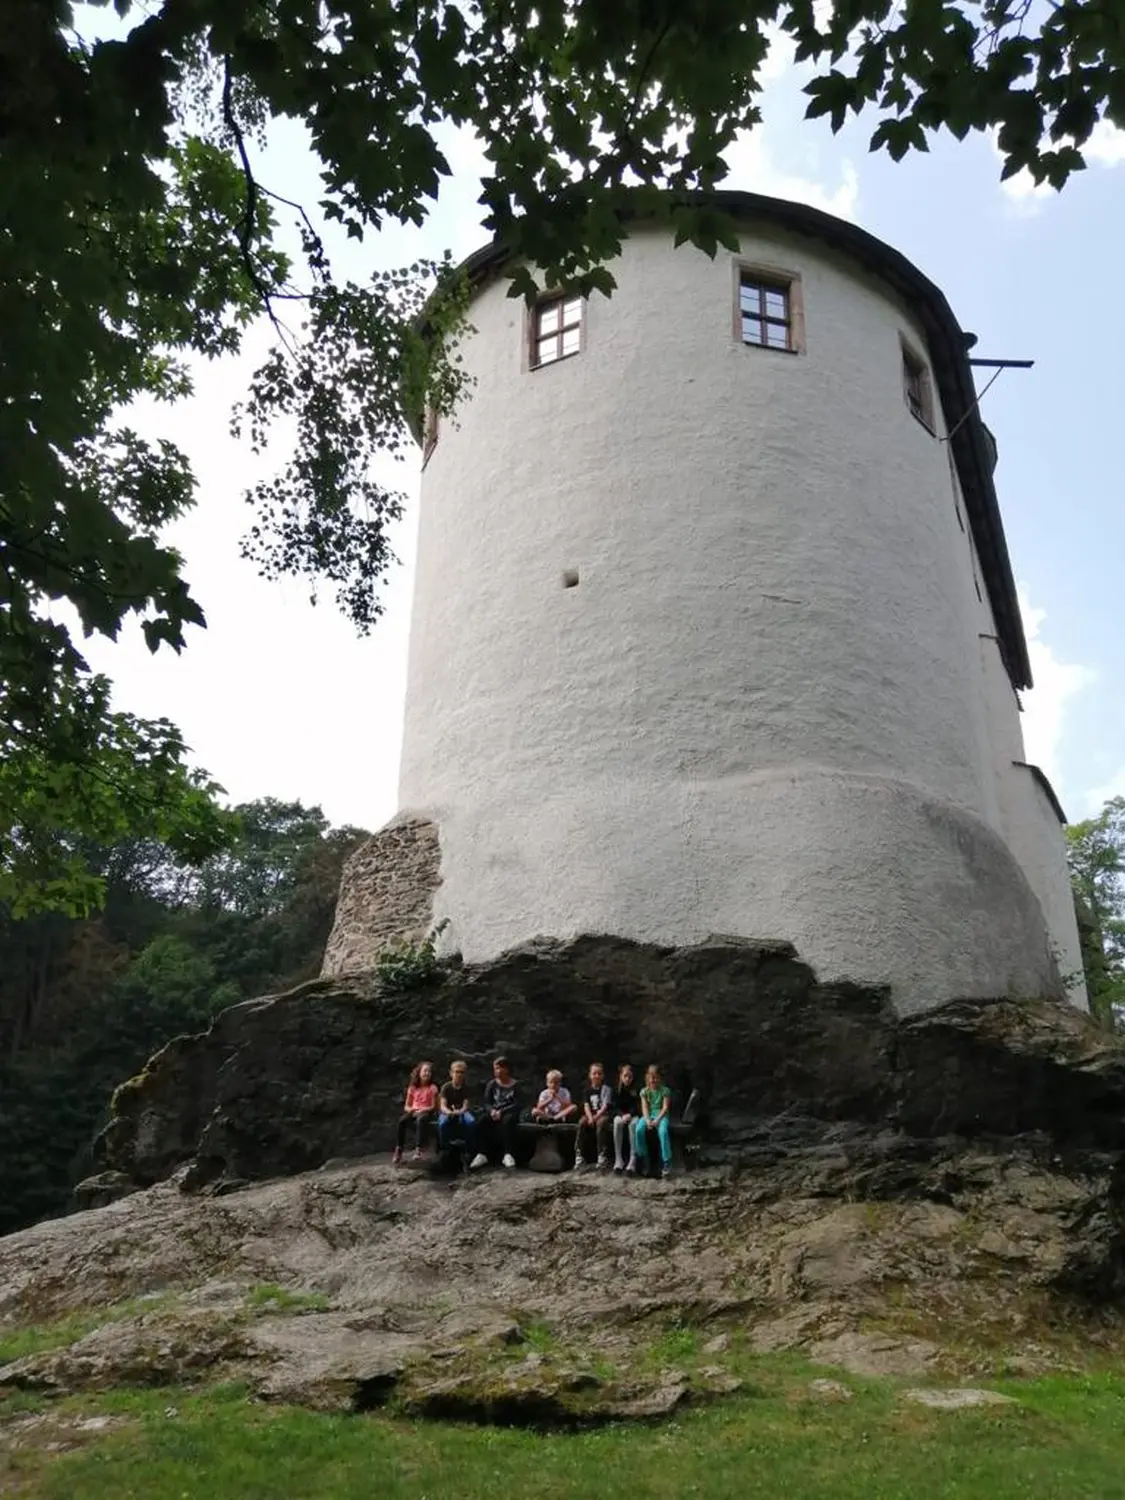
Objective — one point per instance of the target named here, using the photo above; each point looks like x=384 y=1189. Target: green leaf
x=832 y=95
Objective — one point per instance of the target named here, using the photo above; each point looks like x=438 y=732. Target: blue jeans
x=663 y=1135
x=457 y=1128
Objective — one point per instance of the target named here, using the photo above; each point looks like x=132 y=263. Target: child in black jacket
x=501 y=1115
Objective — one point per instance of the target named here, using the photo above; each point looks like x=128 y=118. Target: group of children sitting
x=621 y=1116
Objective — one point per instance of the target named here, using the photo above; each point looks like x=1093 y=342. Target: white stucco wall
x=1030 y=823
x=761 y=711
x=1019 y=808
x=1036 y=838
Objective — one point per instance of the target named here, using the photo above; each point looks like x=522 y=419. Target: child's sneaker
x=632 y=1168
x=509 y=1160
x=479 y=1160
x=396 y=1156
x=416 y=1154
x=666 y=1172
x=619 y=1166
x=603 y=1163
x=579 y=1164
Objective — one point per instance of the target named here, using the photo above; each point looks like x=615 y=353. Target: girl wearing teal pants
x=656 y=1103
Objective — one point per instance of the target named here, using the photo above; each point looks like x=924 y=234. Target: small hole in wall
x=570 y=578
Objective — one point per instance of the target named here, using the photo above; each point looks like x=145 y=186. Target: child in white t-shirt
x=555 y=1106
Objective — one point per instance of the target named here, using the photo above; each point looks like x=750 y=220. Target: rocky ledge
x=570 y=1301
x=286 y=1083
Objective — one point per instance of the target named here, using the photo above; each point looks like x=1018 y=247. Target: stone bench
x=547 y=1157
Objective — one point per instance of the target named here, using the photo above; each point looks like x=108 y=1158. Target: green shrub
x=407 y=965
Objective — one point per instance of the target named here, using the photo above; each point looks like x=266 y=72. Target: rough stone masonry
x=386 y=894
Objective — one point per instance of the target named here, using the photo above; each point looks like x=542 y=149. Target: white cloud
x=1021 y=190
x=1097 y=797
x=1056 y=682
x=754 y=158
x=787 y=156
x=779 y=58
x=1024 y=192
x=1106 y=146
x=753 y=169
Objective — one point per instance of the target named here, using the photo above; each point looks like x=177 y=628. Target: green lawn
x=1064 y=1441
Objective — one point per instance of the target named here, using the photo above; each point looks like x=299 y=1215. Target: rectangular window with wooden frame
x=769 y=310
x=917 y=388
x=556 y=329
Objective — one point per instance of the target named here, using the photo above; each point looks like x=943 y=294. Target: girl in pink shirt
x=421 y=1101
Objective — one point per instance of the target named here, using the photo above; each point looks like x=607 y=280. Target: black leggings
x=498 y=1137
x=419 y=1122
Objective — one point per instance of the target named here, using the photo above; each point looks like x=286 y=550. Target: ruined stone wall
x=386 y=892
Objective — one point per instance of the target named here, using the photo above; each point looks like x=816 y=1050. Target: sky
x=279 y=697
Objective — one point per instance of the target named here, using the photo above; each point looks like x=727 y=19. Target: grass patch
x=22 y=1403
x=536 y=1336
x=19 y=1342
x=269 y=1297
x=1065 y=1439
x=986 y=1335
x=677 y=1345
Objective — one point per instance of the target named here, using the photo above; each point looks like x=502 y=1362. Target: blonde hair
x=554 y=1075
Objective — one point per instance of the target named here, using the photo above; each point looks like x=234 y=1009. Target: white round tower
x=715 y=632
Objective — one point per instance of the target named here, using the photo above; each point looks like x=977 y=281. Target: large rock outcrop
x=563 y=1300
x=906 y=1196
x=285 y=1083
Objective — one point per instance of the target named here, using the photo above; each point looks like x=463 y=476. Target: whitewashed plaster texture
x=762 y=709
x=1030 y=822
x=1017 y=805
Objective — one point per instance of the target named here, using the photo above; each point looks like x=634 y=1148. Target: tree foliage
x=136 y=241
x=1041 y=75
x=1096 y=856
x=85 y=1001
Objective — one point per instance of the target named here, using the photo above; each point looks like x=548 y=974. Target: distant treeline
x=85 y=1001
